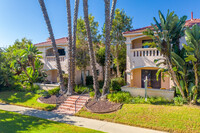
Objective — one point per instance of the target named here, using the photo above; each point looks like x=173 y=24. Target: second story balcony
x=144 y=57
x=53 y=58
x=145 y=52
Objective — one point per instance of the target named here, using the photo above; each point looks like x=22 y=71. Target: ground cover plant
x=159 y=117
x=22 y=123
x=27 y=99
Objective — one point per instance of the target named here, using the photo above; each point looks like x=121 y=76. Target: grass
x=159 y=117
x=26 y=99
x=16 y=123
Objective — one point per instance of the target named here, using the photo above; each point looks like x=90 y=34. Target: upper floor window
x=50 y=52
x=61 y=52
x=145 y=41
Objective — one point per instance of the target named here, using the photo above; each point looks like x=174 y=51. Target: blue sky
x=23 y=18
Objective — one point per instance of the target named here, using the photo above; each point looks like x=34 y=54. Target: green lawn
x=13 y=122
x=26 y=99
x=159 y=117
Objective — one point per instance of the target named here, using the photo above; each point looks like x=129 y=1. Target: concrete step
x=81 y=98
x=71 y=105
x=73 y=102
x=68 y=106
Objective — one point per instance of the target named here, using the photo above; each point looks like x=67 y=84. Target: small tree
x=120 y=24
x=82 y=56
x=100 y=57
x=193 y=55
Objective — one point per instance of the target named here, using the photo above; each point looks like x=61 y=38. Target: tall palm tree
x=74 y=40
x=48 y=23
x=70 y=80
x=108 y=24
x=91 y=51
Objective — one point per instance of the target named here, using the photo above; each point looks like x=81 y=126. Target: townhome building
x=50 y=61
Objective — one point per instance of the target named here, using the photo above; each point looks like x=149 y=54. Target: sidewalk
x=77 y=121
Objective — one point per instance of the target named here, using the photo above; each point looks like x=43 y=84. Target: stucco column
x=128 y=60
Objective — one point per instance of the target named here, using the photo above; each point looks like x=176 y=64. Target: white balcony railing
x=53 y=58
x=143 y=52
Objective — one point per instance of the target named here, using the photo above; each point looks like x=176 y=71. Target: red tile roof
x=60 y=40
x=188 y=23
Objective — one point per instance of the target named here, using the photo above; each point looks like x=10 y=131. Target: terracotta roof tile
x=60 y=40
x=188 y=23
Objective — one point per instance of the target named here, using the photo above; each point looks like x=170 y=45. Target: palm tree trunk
x=108 y=24
x=74 y=41
x=103 y=69
x=174 y=78
x=117 y=57
x=196 y=82
x=46 y=17
x=70 y=80
x=91 y=51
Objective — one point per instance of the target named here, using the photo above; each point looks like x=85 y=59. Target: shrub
x=120 y=97
x=89 y=80
x=114 y=85
x=80 y=89
x=54 y=91
x=101 y=82
x=121 y=81
x=92 y=94
x=125 y=97
x=29 y=87
x=179 y=101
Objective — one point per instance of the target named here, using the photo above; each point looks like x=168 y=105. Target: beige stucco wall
x=136 y=78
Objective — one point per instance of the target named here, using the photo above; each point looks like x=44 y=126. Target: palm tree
x=74 y=39
x=91 y=51
x=31 y=54
x=48 y=23
x=70 y=80
x=166 y=40
x=108 y=24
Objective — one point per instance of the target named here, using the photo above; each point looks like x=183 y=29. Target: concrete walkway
x=77 y=121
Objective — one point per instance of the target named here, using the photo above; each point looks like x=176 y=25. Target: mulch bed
x=102 y=106
x=52 y=99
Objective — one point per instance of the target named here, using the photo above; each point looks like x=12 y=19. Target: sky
x=23 y=18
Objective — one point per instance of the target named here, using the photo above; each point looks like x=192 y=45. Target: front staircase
x=72 y=104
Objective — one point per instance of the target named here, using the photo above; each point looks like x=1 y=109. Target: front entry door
x=152 y=81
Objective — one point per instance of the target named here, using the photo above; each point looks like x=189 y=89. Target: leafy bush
x=121 y=81
x=54 y=91
x=89 y=80
x=92 y=94
x=120 y=97
x=30 y=87
x=114 y=85
x=43 y=93
x=179 y=101
x=125 y=97
x=101 y=82
x=80 y=89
